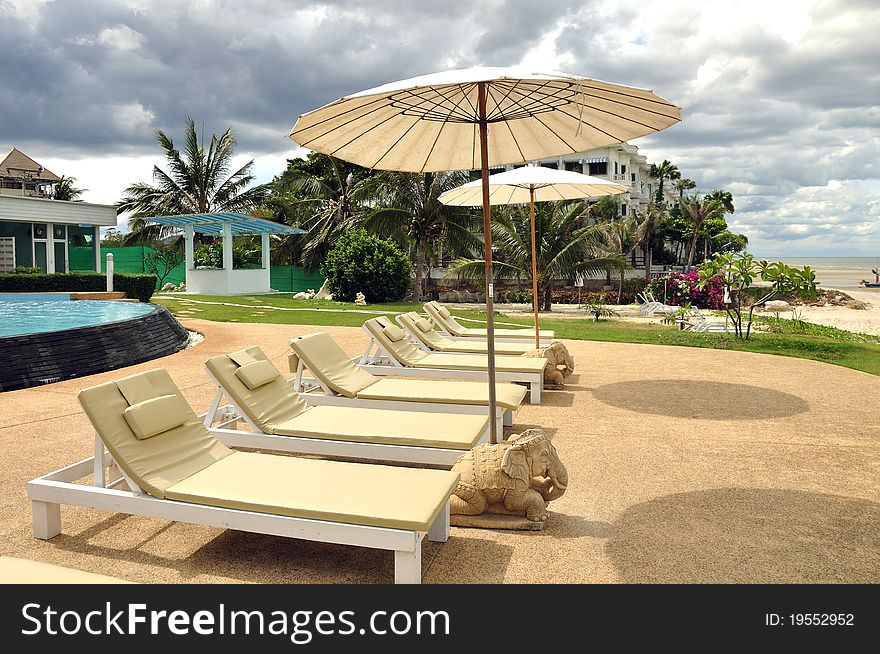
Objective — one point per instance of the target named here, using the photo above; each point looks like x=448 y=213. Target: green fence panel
x=293 y=279
x=80 y=259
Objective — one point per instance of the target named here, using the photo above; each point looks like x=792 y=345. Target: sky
x=780 y=99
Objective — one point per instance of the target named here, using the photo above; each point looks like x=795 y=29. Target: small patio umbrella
x=441 y=122
x=532 y=184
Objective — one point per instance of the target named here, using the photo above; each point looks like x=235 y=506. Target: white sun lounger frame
x=228 y=414
x=49 y=492
x=317 y=393
x=384 y=363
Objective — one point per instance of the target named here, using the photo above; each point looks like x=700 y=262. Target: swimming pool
x=45 y=338
x=33 y=314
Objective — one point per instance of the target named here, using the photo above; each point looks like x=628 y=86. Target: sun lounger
x=422 y=333
x=23 y=571
x=447 y=323
x=282 y=420
x=175 y=469
x=337 y=380
x=703 y=325
x=396 y=356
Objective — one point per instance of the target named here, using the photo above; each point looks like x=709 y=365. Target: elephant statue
x=560 y=363
x=516 y=477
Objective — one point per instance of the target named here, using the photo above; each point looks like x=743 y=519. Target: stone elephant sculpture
x=560 y=363
x=516 y=477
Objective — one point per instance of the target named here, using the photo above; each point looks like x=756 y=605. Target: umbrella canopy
x=531 y=184
x=428 y=123
x=516 y=186
x=441 y=122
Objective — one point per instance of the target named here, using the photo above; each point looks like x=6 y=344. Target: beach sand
x=863 y=321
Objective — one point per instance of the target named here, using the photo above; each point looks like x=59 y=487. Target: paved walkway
x=686 y=465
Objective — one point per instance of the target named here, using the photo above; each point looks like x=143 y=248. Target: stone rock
x=509 y=484
x=560 y=363
x=302 y=295
x=856 y=304
x=360 y=300
x=181 y=287
x=324 y=292
x=777 y=306
x=168 y=286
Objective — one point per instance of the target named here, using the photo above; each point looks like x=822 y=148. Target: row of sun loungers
x=155 y=457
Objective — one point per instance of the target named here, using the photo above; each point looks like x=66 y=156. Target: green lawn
x=786 y=338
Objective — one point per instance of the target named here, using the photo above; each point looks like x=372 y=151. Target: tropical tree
x=662 y=172
x=64 y=189
x=323 y=195
x=606 y=208
x=198 y=181
x=566 y=247
x=616 y=239
x=699 y=210
x=683 y=184
x=407 y=209
x=722 y=197
x=648 y=225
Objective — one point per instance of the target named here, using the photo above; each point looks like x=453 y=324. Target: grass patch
x=782 y=337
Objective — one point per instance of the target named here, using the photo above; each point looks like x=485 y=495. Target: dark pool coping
x=47 y=357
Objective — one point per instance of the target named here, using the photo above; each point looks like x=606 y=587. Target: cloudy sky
x=780 y=99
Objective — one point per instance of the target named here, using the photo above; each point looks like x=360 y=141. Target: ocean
x=837 y=272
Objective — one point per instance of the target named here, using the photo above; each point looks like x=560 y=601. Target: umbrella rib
x=627 y=104
x=631 y=121
x=445 y=122
x=502 y=83
x=339 y=115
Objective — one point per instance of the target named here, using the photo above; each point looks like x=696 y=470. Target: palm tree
x=408 y=211
x=64 y=189
x=724 y=198
x=606 y=208
x=683 y=184
x=664 y=171
x=648 y=226
x=566 y=247
x=698 y=210
x=198 y=182
x=325 y=196
x=616 y=240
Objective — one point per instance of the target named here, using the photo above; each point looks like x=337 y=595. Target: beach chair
x=422 y=333
x=24 y=571
x=704 y=325
x=175 y=469
x=652 y=306
x=395 y=356
x=440 y=316
x=337 y=380
x=282 y=420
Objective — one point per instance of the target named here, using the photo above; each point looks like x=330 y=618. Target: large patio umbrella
x=441 y=122
x=532 y=184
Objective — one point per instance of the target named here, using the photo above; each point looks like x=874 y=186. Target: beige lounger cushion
x=389 y=427
x=156 y=463
x=509 y=396
x=441 y=314
x=352 y=493
x=444 y=312
x=330 y=364
x=151 y=417
x=394 y=333
x=266 y=406
x=424 y=325
x=23 y=571
x=440 y=343
x=405 y=352
x=257 y=374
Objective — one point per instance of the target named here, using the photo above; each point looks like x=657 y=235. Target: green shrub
x=211 y=255
x=27 y=270
x=363 y=263
x=137 y=286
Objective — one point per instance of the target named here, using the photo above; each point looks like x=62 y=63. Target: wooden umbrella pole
x=487 y=240
x=534 y=264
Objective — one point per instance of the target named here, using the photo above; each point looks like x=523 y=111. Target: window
x=599 y=168
x=575 y=166
x=40 y=230
x=622 y=209
x=616 y=171
x=549 y=165
x=633 y=176
x=623 y=170
x=58 y=232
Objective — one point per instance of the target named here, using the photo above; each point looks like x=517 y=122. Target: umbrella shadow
x=748 y=535
x=701 y=399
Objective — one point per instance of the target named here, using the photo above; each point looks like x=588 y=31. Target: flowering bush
x=681 y=288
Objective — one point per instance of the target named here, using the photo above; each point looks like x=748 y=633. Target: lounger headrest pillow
x=443 y=311
x=156 y=415
x=423 y=325
x=393 y=333
x=257 y=373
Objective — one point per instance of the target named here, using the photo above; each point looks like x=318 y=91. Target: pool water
x=20 y=316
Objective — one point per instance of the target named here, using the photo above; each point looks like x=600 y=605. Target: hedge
x=134 y=286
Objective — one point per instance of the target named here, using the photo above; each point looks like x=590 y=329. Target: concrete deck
x=686 y=465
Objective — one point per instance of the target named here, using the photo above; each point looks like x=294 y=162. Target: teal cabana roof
x=212 y=223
